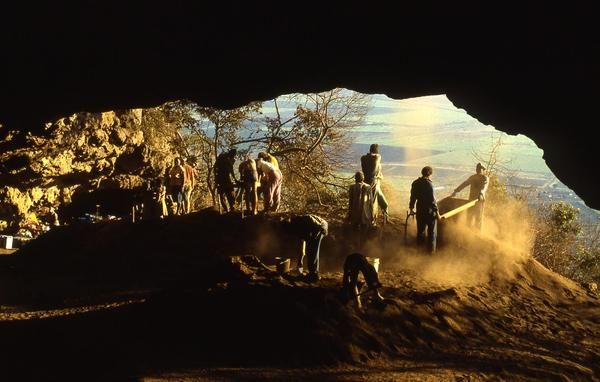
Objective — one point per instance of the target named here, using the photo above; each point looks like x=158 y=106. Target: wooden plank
x=4 y=251
x=459 y=209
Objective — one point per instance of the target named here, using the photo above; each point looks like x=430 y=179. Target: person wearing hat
x=479 y=185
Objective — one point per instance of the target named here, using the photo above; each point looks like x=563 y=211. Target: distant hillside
x=393 y=153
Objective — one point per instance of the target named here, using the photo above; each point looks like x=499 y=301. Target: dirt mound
x=180 y=296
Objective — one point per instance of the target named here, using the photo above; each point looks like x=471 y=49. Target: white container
x=374 y=261
x=6 y=241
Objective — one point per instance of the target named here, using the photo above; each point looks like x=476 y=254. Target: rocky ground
x=177 y=300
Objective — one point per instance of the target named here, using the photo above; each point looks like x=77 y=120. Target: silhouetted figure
x=421 y=192
x=225 y=179
x=371 y=168
x=310 y=230
x=354 y=264
x=177 y=179
x=153 y=202
x=188 y=187
x=249 y=184
x=478 y=183
x=161 y=199
x=360 y=211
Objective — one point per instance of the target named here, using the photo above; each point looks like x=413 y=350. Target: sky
x=432 y=131
x=434 y=123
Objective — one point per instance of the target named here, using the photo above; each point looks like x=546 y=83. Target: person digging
x=351 y=287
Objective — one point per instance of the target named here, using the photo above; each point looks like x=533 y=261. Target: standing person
x=249 y=179
x=161 y=199
x=188 y=187
x=421 y=192
x=177 y=178
x=153 y=200
x=225 y=179
x=310 y=230
x=371 y=168
x=359 y=208
x=479 y=185
x=263 y=185
x=269 y=158
x=271 y=179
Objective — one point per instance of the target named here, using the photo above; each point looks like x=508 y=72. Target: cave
x=527 y=70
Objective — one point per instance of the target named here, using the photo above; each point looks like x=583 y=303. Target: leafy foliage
x=311 y=142
x=556 y=231
x=313 y=146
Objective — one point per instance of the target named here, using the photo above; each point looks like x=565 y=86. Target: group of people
x=365 y=198
x=310 y=230
x=260 y=176
x=257 y=176
x=422 y=198
x=366 y=203
x=180 y=178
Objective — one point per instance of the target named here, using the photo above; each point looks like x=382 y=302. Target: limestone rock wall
x=76 y=163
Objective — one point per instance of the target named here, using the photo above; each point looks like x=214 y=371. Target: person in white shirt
x=271 y=178
x=478 y=183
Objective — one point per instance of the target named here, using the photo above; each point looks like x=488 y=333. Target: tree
x=161 y=126
x=557 y=228
x=587 y=254
x=313 y=145
x=198 y=133
x=561 y=242
x=215 y=131
x=311 y=141
x=587 y=264
x=496 y=167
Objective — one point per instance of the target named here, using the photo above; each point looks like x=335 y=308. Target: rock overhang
x=526 y=70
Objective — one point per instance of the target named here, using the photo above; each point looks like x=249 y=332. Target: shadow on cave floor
x=259 y=332
x=175 y=306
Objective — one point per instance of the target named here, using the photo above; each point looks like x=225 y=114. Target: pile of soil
x=189 y=299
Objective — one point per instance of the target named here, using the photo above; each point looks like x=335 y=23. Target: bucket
x=6 y=241
x=282 y=264
x=374 y=261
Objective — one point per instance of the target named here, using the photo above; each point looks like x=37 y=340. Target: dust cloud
x=465 y=256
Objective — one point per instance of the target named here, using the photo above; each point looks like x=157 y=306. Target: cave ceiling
x=530 y=69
